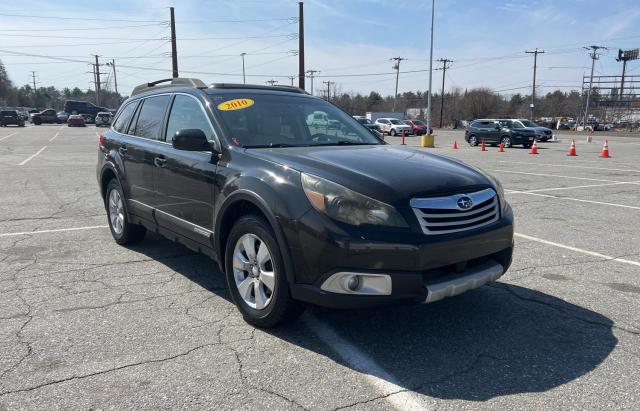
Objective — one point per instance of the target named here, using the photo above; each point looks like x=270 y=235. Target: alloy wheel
x=116 y=212
x=253 y=271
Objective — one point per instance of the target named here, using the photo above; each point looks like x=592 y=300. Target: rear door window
x=151 y=117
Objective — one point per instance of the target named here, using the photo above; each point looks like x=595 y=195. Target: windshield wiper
x=345 y=143
x=275 y=145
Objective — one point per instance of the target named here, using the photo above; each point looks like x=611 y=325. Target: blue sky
x=344 y=39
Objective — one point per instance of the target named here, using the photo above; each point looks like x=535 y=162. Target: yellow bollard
x=428 y=140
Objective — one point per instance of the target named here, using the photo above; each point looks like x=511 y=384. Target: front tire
x=122 y=230
x=255 y=274
x=473 y=141
x=506 y=141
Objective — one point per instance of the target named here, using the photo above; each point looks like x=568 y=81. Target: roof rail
x=178 y=81
x=290 y=89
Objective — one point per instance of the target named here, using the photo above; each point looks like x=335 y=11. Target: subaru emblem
x=464 y=203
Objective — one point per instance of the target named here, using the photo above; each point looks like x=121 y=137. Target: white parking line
x=32 y=156
x=570 y=166
x=397 y=396
x=578 y=250
x=6 y=137
x=572 y=199
x=58 y=230
x=561 y=176
x=54 y=137
x=574 y=187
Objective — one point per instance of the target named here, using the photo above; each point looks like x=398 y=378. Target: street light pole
x=244 y=79
x=433 y=5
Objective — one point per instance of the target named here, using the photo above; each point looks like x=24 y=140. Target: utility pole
x=311 y=73
x=33 y=76
x=594 y=56
x=329 y=83
x=271 y=82
x=444 y=68
x=535 y=66
x=292 y=78
x=301 y=79
x=396 y=66
x=97 y=66
x=174 y=47
x=115 y=80
x=244 y=79
x=433 y=5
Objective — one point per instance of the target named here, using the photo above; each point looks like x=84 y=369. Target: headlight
x=347 y=206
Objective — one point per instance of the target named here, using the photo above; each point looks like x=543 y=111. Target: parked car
x=62 y=115
x=393 y=126
x=494 y=132
x=542 y=133
x=88 y=118
x=367 y=123
x=10 y=117
x=24 y=115
x=46 y=116
x=76 y=120
x=417 y=127
x=103 y=119
x=293 y=215
x=83 y=107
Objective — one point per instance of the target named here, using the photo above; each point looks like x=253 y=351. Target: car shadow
x=501 y=339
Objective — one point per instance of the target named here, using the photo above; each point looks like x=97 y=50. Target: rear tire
x=122 y=230
x=393 y=132
x=252 y=255
x=526 y=145
x=506 y=141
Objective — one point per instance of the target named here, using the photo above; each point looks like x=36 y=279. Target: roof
x=196 y=83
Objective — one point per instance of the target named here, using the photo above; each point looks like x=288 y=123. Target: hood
x=388 y=173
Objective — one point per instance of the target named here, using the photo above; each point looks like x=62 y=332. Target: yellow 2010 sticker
x=236 y=104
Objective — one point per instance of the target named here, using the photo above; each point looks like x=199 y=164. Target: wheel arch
x=246 y=202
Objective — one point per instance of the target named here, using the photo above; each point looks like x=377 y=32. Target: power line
x=87 y=28
x=83 y=18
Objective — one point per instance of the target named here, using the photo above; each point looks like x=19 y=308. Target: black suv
x=293 y=212
x=11 y=117
x=496 y=131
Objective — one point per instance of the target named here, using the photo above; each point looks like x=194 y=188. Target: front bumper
x=422 y=268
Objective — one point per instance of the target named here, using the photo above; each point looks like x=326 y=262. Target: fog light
x=358 y=283
x=353 y=283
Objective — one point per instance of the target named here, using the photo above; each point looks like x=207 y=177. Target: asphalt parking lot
x=85 y=323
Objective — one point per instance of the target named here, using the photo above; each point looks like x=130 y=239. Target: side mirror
x=190 y=139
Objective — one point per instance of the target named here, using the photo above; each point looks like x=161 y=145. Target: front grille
x=441 y=215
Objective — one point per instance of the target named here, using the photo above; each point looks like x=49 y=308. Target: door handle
x=160 y=161
x=122 y=150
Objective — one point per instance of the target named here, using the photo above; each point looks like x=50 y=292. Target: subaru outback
x=295 y=213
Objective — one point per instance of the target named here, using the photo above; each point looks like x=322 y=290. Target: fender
x=264 y=201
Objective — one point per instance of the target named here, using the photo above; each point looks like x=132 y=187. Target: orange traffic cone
x=501 y=148
x=482 y=146
x=403 y=138
x=534 y=148
x=455 y=145
x=572 y=149
x=605 y=150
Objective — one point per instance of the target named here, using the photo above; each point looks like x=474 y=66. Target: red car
x=76 y=120
x=418 y=128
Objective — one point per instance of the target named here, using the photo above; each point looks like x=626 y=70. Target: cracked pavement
x=85 y=323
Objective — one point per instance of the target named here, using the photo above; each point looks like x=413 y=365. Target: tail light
x=101 y=140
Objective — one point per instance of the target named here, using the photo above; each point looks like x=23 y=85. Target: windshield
x=394 y=121
x=364 y=121
x=418 y=123
x=528 y=123
x=276 y=120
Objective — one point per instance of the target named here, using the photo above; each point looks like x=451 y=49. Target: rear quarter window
x=120 y=125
